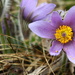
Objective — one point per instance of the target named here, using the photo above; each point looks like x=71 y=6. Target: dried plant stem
x=64 y=62
x=47 y=62
x=20 y=28
x=12 y=38
x=25 y=72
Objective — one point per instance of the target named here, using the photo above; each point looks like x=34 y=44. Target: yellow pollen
x=56 y=51
x=64 y=34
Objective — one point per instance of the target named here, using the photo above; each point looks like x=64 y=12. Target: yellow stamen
x=64 y=34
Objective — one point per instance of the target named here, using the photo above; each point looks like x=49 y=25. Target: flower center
x=64 y=34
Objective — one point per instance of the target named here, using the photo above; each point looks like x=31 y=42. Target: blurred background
x=61 y=4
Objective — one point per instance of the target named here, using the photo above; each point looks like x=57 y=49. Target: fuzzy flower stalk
x=61 y=31
x=31 y=11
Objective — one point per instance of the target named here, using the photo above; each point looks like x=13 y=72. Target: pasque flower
x=61 y=31
x=31 y=12
x=7 y=24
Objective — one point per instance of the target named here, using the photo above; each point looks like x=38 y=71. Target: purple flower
x=31 y=12
x=61 y=31
x=7 y=24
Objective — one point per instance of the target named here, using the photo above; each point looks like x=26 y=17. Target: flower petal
x=23 y=3
x=70 y=51
x=42 y=29
x=41 y=5
x=28 y=6
x=70 y=17
x=42 y=11
x=56 y=19
x=48 y=18
x=56 y=48
x=74 y=36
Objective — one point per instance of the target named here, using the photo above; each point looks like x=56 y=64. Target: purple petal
x=56 y=19
x=56 y=48
x=48 y=18
x=42 y=11
x=23 y=3
x=74 y=36
x=70 y=17
x=42 y=29
x=29 y=6
x=69 y=48
x=40 y=6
